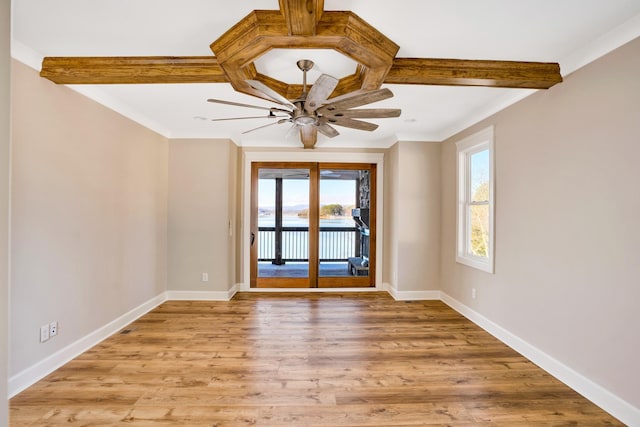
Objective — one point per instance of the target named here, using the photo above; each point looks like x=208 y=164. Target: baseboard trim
x=36 y=372
x=412 y=295
x=201 y=295
x=614 y=405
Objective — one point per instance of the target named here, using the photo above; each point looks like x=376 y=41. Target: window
x=476 y=200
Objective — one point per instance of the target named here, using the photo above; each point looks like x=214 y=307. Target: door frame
x=315 y=156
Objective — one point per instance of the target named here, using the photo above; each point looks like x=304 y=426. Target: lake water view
x=296 y=221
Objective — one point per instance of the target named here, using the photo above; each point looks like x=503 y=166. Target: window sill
x=485 y=265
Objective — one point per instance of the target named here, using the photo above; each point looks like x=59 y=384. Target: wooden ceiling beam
x=133 y=70
x=302 y=16
x=205 y=69
x=462 y=72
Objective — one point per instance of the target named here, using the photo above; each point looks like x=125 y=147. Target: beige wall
x=567 y=236
x=5 y=69
x=89 y=207
x=414 y=211
x=411 y=210
x=390 y=262
x=202 y=203
x=237 y=229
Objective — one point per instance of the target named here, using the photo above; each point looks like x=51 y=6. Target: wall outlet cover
x=53 y=329
x=44 y=333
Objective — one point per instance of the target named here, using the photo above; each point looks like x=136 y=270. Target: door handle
x=253 y=238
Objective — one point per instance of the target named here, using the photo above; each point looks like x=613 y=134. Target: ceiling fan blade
x=366 y=113
x=328 y=131
x=357 y=100
x=244 y=118
x=264 y=126
x=319 y=92
x=292 y=131
x=238 y=104
x=258 y=85
x=308 y=135
x=351 y=123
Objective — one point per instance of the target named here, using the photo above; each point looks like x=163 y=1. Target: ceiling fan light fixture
x=304 y=120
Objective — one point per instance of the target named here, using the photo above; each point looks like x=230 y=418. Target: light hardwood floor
x=357 y=359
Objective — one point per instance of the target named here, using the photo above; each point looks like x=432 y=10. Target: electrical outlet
x=53 y=329
x=205 y=277
x=44 y=333
x=473 y=293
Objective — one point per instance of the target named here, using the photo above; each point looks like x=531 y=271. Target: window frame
x=465 y=148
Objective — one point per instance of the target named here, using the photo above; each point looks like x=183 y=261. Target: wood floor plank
x=302 y=359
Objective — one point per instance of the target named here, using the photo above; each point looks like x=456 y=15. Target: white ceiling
x=571 y=32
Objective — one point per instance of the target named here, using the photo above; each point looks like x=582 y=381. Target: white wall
x=414 y=205
x=202 y=202
x=567 y=277
x=5 y=69
x=89 y=206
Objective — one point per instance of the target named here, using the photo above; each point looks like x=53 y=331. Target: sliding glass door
x=311 y=225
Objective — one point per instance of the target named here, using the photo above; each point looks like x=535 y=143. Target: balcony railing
x=336 y=243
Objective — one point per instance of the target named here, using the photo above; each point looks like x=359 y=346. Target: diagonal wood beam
x=302 y=16
x=464 y=72
x=205 y=69
x=132 y=70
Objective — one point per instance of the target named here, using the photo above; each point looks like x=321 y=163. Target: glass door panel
x=282 y=241
x=345 y=225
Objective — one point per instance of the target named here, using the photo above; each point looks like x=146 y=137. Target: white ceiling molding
x=26 y=55
x=601 y=46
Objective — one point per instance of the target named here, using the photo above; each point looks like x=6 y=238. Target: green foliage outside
x=480 y=222
x=334 y=209
x=331 y=210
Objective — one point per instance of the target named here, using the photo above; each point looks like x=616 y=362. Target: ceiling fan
x=314 y=112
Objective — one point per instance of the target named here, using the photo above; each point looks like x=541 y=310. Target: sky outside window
x=480 y=176
x=296 y=192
